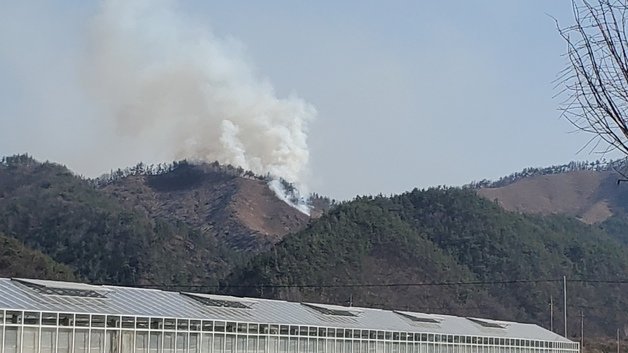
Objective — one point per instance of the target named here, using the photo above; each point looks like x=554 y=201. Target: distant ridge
x=196 y=227
x=226 y=202
x=588 y=191
x=618 y=166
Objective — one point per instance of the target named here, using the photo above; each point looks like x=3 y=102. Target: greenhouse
x=38 y=316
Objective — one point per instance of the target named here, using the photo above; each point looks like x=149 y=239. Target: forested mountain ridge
x=232 y=205
x=445 y=235
x=15 y=258
x=589 y=191
x=105 y=235
x=443 y=250
x=617 y=166
x=592 y=196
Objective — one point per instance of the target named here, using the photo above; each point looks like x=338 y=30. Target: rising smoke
x=176 y=86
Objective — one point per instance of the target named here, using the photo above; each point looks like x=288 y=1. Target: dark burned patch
x=184 y=177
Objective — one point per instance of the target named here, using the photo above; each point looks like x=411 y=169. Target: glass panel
x=127 y=322
x=252 y=345
x=12 y=339
x=31 y=318
x=262 y=345
x=330 y=346
x=170 y=324
x=219 y=343
x=81 y=320
x=142 y=323
x=304 y=345
x=320 y=347
x=207 y=343
x=230 y=343
x=193 y=347
x=293 y=345
x=182 y=342
x=155 y=342
x=97 y=341
x=64 y=340
x=127 y=338
x=156 y=323
x=182 y=325
x=241 y=344
x=141 y=340
x=14 y=317
x=273 y=345
x=80 y=341
x=49 y=319
x=98 y=320
x=30 y=340
x=112 y=340
x=195 y=325
x=168 y=342
x=66 y=319
x=113 y=321
x=283 y=344
x=208 y=326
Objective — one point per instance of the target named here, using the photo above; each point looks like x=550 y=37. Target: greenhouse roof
x=53 y=296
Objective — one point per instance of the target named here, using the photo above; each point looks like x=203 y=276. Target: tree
x=595 y=81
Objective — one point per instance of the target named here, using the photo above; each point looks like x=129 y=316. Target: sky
x=406 y=93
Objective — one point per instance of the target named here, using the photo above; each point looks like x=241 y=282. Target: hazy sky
x=407 y=93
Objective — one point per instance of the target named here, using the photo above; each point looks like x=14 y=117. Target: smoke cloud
x=173 y=85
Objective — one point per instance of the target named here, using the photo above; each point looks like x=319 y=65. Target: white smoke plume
x=177 y=87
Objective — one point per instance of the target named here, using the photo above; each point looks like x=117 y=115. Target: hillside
x=445 y=235
x=49 y=209
x=591 y=196
x=443 y=250
x=17 y=260
x=214 y=200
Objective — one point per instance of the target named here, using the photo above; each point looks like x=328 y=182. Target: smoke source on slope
x=176 y=87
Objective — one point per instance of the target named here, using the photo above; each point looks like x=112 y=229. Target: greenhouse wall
x=62 y=332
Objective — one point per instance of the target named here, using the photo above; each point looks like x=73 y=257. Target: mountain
x=220 y=229
x=218 y=201
x=442 y=236
x=587 y=195
x=150 y=229
x=17 y=260
x=589 y=192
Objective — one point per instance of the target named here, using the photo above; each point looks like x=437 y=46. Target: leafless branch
x=594 y=85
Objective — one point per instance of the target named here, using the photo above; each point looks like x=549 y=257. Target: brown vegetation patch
x=582 y=194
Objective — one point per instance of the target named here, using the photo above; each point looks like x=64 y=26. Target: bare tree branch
x=594 y=85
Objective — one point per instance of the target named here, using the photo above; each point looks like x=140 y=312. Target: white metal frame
x=309 y=339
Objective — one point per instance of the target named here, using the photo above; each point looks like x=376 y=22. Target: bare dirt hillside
x=591 y=196
x=242 y=211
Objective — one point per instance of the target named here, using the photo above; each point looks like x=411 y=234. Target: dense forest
x=442 y=250
x=49 y=209
x=514 y=263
